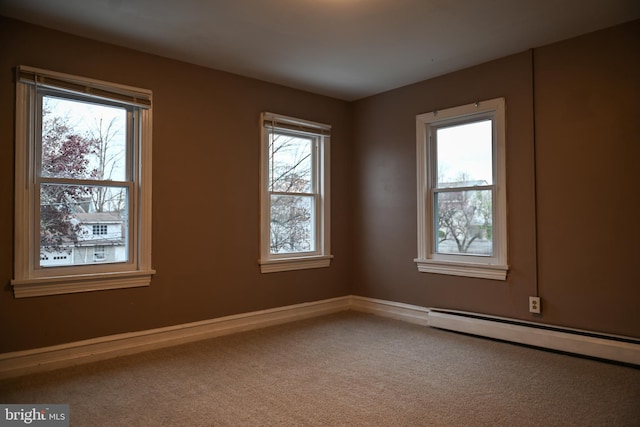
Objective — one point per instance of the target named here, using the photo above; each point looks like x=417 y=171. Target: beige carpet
x=347 y=369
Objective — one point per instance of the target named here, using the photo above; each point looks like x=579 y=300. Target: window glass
x=290 y=163
x=292 y=224
x=464 y=222
x=291 y=186
x=464 y=154
x=81 y=144
x=83 y=140
x=464 y=158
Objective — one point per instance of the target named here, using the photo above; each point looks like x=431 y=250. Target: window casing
x=294 y=194
x=462 y=224
x=83 y=154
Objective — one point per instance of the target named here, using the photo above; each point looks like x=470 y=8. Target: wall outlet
x=534 y=304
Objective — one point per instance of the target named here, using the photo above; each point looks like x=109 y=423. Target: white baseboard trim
x=395 y=310
x=621 y=349
x=580 y=342
x=59 y=356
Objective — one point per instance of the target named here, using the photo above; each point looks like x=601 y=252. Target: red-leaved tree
x=64 y=155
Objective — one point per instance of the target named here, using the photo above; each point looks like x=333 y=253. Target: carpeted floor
x=346 y=369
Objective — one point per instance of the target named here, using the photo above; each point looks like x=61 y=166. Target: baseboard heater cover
x=592 y=344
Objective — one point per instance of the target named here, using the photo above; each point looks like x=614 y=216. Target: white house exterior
x=101 y=239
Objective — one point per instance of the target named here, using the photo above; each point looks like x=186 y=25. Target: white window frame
x=428 y=261
x=321 y=256
x=31 y=280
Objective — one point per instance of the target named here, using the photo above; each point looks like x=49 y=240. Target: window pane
x=464 y=222
x=82 y=140
x=72 y=228
x=464 y=155
x=290 y=163
x=292 y=224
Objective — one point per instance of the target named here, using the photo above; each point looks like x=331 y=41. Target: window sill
x=80 y=283
x=299 y=263
x=483 y=271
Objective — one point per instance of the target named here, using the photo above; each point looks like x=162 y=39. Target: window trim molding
x=29 y=281
x=321 y=257
x=56 y=285
x=298 y=263
x=495 y=267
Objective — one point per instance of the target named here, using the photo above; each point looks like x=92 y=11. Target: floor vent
x=586 y=343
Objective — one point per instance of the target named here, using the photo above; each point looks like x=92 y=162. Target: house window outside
x=99 y=254
x=295 y=220
x=462 y=191
x=99 y=229
x=83 y=153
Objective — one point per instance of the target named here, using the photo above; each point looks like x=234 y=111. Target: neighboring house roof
x=97 y=217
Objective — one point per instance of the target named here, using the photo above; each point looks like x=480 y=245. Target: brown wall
x=579 y=252
x=206 y=148
x=385 y=168
x=587 y=144
x=588 y=159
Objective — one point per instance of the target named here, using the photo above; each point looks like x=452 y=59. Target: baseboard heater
x=591 y=344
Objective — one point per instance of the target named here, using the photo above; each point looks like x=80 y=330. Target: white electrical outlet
x=534 y=304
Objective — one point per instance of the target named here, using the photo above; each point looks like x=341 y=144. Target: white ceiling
x=348 y=49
